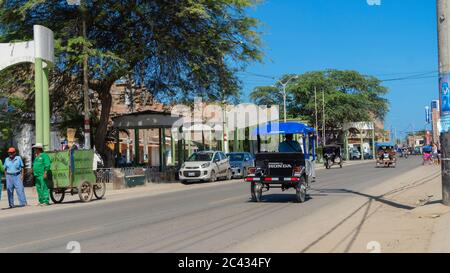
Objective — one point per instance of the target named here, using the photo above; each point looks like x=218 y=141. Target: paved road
x=209 y=219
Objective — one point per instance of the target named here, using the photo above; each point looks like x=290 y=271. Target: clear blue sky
x=396 y=39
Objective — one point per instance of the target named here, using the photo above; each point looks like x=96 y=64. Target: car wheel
x=213 y=177
x=229 y=174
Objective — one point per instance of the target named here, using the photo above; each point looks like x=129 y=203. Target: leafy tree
x=11 y=120
x=349 y=97
x=178 y=49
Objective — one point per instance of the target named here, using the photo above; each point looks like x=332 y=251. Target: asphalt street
x=209 y=219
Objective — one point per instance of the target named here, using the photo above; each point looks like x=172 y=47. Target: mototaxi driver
x=289 y=145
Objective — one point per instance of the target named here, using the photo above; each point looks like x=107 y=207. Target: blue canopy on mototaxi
x=427 y=149
x=292 y=127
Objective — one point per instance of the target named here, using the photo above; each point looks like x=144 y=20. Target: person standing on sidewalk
x=435 y=154
x=2 y=170
x=41 y=167
x=14 y=178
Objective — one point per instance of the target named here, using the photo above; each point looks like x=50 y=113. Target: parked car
x=355 y=154
x=240 y=162
x=205 y=166
x=368 y=155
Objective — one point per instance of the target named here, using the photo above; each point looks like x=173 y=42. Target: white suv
x=205 y=166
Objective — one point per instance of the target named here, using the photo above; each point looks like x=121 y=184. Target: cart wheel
x=100 y=190
x=256 y=189
x=300 y=191
x=340 y=165
x=85 y=191
x=57 y=196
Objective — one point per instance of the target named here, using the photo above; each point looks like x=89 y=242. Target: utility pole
x=443 y=17
x=324 y=141
x=87 y=128
x=284 y=101
x=315 y=110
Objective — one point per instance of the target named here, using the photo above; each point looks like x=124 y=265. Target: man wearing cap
x=14 y=178
x=41 y=166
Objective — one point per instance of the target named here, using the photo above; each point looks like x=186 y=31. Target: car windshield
x=201 y=157
x=236 y=157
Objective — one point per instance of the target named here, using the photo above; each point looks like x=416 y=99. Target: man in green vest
x=41 y=167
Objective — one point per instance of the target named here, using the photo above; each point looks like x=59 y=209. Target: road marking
x=47 y=239
x=229 y=199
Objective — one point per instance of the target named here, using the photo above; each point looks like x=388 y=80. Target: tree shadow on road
x=379 y=198
x=353 y=234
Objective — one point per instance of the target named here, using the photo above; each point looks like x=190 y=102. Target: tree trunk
x=102 y=129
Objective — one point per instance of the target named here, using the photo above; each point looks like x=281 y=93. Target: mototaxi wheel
x=256 y=191
x=300 y=191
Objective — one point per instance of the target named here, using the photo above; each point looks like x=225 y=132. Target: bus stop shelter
x=144 y=120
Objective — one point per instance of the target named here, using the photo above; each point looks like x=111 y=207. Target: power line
x=412 y=76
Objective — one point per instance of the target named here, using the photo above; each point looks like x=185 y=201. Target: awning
x=145 y=120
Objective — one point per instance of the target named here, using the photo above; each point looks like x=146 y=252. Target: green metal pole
x=362 y=146
x=235 y=142
x=373 y=142
x=163 y=148
x=210 y=139
x=38 y=113
x=160 y=151
x=346 y=145
x=46 y=110
x=136 y=146
x=117 y=146
x=172 y=148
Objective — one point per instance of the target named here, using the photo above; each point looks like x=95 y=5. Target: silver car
x=240 y=162
x=205 y=166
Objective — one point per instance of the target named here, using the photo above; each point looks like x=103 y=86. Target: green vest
x=41 y=164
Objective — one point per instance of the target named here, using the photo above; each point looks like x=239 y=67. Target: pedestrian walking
x=14 y=170
x=41 y=168
x=435 y=154
x=2 y=170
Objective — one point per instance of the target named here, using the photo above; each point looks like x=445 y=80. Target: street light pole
x=284 y=85
x=443 y=17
